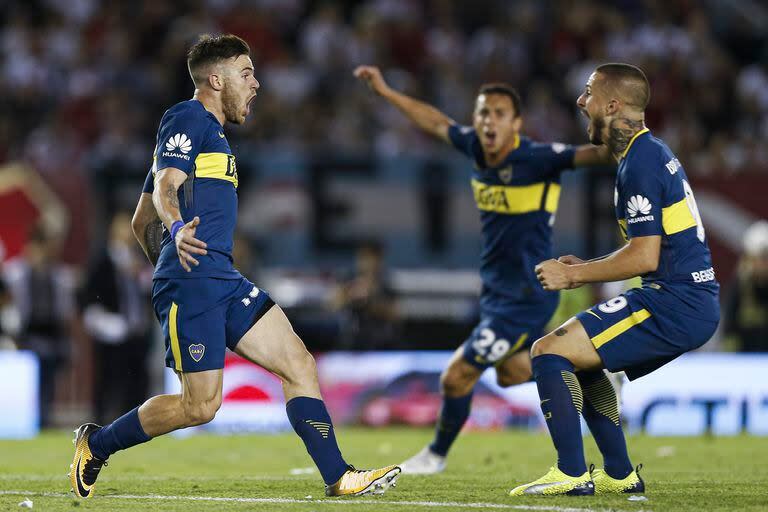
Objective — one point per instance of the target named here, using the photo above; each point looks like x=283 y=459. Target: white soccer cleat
x=426 y=462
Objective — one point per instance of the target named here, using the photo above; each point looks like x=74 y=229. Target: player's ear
x=216 y=81
x=612 y=107
x=517 y=123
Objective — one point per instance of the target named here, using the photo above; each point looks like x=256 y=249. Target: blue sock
x=453 y=415
x=311 y=421
x=124 y=432
x=561 y=403
x=601 y=412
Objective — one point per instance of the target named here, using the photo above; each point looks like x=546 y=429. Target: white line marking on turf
x=321 y=502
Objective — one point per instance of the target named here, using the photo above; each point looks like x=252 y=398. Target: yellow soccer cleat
x=85 y=467
x=604 y=484
x=355 y=482
x=555 y=482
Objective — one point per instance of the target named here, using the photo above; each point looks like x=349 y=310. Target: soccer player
x=516 y=185
x=202 y=302
x=675 y=310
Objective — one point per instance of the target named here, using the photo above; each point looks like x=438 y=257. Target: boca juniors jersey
x=191 y=139
x=653 y=197
x=517 y=201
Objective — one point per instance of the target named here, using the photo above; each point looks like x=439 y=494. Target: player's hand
x=371 y=75
x=570 y=259
x=555 y=275
x=187 y=244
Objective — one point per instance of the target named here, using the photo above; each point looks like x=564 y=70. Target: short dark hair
x=631 y=80
x=212 y=49
x=506 y=90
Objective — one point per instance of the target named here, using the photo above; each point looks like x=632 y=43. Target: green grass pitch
x=254 y=473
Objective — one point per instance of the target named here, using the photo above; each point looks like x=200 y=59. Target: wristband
x=175 y=227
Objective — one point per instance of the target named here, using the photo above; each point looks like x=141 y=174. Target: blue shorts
x=499 y=336
x=202 y=317
x=645 y=328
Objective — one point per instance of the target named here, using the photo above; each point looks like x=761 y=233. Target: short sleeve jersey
x=191 y=139
x=517 y=201
x=653 y=197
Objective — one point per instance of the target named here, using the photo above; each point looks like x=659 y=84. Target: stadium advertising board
x=721 y=393
x=19 y=413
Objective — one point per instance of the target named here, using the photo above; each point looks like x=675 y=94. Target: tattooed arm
x=621 y=131
x=166 y=200
x=147 y=227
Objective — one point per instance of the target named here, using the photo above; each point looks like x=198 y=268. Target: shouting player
x=675 y=310
x=516 y=185
x=204 y=305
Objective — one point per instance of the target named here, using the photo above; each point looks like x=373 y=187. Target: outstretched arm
x=147 y=227
x=590 y=155
x=425 y=116
x=166 y=200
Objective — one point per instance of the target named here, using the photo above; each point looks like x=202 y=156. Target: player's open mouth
x=490 y=137
x=248 y=104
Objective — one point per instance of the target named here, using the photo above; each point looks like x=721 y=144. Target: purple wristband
x=175 y=227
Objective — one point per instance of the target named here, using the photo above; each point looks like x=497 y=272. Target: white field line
x=351 y=501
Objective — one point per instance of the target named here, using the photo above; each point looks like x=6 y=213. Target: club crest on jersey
x=197 y=351
x=505 y=174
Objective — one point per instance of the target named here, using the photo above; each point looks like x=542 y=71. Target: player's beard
x=598 y=125
x=230 y=105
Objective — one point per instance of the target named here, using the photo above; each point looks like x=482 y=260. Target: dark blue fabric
x=560 y=412
x=608 y=434
x=309 y=418
x=124 y=432
x=453 y=415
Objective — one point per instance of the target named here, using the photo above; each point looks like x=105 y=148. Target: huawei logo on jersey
x=638 y=204
x=179 y=141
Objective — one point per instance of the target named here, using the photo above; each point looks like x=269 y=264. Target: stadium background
x=331 y=176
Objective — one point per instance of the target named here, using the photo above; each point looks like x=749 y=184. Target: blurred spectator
x=117 y=315
x=8 y=317
x=43 y=291
x=365 y=301
x=746 y=311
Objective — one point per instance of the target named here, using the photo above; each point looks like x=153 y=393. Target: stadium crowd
x=69 y=68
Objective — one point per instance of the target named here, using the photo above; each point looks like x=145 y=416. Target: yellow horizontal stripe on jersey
x=677 y=217
x=515 y=199
x=220 y=166
x=620 y=327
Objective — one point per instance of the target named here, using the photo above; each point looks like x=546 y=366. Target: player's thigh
x=570 y=341
x=516 y=369
x=273 y=344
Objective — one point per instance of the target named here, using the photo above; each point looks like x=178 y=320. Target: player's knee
x=506 y=379
x=302 y=367
x=454 y=383
x=200 y=413
x=545 y=345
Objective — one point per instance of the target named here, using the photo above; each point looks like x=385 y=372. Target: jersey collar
x=632 y=140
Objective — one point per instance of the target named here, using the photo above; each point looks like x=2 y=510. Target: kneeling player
x=675 y=310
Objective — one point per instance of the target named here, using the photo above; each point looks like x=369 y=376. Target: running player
x=202 y=302
x=516 y=184
x=675 y=310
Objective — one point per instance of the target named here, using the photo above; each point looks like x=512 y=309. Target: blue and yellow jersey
x=191 y=139
x=517 y=201
x=653 y=197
